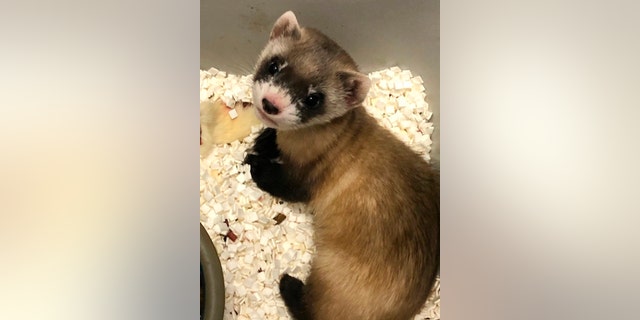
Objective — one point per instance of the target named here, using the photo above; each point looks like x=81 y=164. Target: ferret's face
x=303 y=78
x=287 y=97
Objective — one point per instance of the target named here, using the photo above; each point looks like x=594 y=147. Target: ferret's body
x=376 y=202
x=375 y=239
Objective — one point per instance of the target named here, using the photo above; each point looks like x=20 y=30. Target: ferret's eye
x=313 y=100
x=273 y=67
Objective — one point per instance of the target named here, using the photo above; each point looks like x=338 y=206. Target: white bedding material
x=253 y=263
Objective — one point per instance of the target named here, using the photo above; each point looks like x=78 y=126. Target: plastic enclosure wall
x=377 y=33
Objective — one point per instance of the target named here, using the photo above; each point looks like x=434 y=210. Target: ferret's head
x=303 y=78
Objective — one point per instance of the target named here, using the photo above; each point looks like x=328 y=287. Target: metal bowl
x=211 y=280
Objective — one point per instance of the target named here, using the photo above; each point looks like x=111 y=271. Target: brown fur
x=376 y=219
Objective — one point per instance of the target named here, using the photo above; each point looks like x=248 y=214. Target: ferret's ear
x=356 y=86
x=286 y=26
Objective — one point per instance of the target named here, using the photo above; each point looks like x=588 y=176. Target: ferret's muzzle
x=269 y=108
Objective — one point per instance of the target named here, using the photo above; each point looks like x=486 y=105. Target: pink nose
x=269 y=108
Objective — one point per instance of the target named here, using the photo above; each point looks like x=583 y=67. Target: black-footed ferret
x=376 y=202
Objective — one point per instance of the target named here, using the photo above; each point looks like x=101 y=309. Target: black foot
x=267 y=170
x=265 y=144
x=292 y=292
x=267 y=173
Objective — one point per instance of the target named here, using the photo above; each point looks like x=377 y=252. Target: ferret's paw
x=292 y=291
x=266 y=173
x=265 y=144
x=256 y=159
x=251 y=158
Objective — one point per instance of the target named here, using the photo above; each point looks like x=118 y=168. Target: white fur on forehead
x=276 y=47
x=286 y=26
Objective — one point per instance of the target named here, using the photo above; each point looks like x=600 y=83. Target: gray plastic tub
x=211 y=273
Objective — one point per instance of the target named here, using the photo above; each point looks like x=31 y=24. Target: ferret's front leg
x=268 y=172
x=265 y=145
